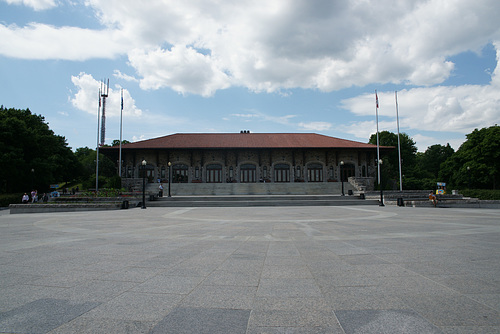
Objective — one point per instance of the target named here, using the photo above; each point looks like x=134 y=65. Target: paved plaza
x=349 y=269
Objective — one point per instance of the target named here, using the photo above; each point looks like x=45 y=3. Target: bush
x=114 y=182
x=482 y=194
x=6 y=199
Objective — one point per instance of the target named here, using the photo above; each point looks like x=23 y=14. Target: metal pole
x=169 y=178
x=143 y=184
x=97 y=150
x=378 y=144
x=342 y=177
x=399 y=144
x=120 y=154
x=381 y=190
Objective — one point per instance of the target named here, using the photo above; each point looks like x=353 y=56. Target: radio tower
x=104 y=95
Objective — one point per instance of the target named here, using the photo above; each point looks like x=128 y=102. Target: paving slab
x=341 y=269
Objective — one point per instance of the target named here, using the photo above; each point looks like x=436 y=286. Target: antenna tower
x=104 y=95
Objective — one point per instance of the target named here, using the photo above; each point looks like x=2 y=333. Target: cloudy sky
x=259 y=65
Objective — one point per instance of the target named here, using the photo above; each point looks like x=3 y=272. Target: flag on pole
x=378 y=144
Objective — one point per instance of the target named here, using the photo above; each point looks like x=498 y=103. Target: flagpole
x=399 y=144
x=378 y=145
x=97 y=149
x=121 y=126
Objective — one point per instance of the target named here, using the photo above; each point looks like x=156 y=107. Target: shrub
x=482 y=194
x=6 y=199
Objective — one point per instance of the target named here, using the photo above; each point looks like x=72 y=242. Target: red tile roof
x=245 y=140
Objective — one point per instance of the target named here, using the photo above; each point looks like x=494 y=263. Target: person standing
x=160 y=192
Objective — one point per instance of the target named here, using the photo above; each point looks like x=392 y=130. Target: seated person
x=433 y=198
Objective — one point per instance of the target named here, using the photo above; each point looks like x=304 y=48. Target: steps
x=258 y=201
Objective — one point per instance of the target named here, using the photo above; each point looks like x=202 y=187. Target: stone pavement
x=359 y=269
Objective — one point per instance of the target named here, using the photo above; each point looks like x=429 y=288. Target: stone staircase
x=258 y=201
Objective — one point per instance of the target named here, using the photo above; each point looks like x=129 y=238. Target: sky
x=280 y=66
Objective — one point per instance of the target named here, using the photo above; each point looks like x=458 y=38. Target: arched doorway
x=180 y=173
x=315 y=172
x=348 y=170
x=281 y=173
x=214 y=173
x=248 y=173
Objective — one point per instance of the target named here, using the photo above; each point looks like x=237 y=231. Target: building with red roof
x=246 y=157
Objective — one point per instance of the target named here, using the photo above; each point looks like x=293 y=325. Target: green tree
x=476 y=164
x=31 y=155
x=390 y=165
x=87 y=159
x=116 y=142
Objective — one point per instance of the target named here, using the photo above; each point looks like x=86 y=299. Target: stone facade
x=248 y=165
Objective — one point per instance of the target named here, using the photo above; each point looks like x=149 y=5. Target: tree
x=31 y=155
x=87 y=159
x=476 y=164
x=390 y=166
x=434 y=156
x=116 y=142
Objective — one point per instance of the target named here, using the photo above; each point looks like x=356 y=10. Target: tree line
x=475 y=165
x=32 y=156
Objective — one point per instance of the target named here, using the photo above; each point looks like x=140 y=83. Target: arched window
x=281 y=173
x=248 y=173
x=162 y=173
x=347 y=171
x=214 y=173
x=315 y=172
x=180 y=173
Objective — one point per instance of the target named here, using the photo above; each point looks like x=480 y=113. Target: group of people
x=34 y=197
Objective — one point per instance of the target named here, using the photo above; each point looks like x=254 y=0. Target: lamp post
x=143 y=184
x=169 y=177
x=380 y=185
x=342 y=176
x=468 y=177
x=32 y=178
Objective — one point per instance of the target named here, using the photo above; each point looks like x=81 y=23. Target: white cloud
x=119 y=75
x=35 y=4
x=199 y=47
x=87 y=98
x=42 y=41
x=452 y=109
x=181 y=68
x=315 y=126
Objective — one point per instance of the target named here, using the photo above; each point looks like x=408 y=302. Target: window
x=347 y=171
x=214 y=173
x=281 y=173
x=180 y=173
x=315 y=173
x=248 y=173
x=162 y=173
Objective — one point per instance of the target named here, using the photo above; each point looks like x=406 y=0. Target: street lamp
x=468 y=177
x=169 y=177
x=380 y=185
x=143 y=184
x=342 y=177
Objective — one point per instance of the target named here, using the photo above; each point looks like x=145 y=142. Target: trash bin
x=401 y=202
x=362 y=196
x=349 y=192
x=125 y=205
x=151 y=197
